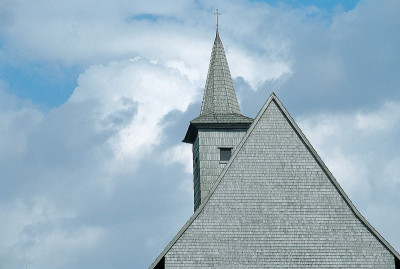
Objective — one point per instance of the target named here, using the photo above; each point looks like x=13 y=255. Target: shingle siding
x=275 y=204
x=196 y=174
x=275 y=207
x=207 y=147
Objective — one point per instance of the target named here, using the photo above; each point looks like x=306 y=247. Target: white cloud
x=181 y=154
x=62 y=247
x=351 y=171
x=35 y=234
x=191 y=73
x=381 y=121
x=255 y=69
x=351 y=145
x=391 y=173
x=98 y=160
x=80 y=154
x=143 y=91
x=16 y=118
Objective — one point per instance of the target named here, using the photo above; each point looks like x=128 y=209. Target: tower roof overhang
x=216 y=121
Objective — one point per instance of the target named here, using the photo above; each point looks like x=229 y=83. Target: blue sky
x=96 y=96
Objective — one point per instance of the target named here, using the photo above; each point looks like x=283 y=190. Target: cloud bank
x=103 y=181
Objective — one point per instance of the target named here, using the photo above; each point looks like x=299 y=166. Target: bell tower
x=219 y=128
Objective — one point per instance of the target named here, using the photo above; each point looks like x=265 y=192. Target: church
x=263 y=198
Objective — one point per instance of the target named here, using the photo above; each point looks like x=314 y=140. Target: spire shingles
x=220 y=108
x=219 y=94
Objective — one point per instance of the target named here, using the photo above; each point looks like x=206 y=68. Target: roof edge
x=297 y=129
x=193 y=128
x=333 y=179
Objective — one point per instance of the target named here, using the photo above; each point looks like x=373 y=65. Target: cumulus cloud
x=41 y=225
x=102 y=180
x=342 y=139
x=133 y=95
x=386 y=119
x=181 y=154
x=78 y=154
x=15 y=118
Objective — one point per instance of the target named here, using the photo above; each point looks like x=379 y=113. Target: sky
x=96 y=96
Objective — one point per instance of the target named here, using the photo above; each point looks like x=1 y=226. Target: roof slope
x=276 y=204
x=219 y=94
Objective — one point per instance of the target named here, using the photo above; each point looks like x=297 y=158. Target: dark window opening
x=160 y=264
x=225 y=154
x=396 y=263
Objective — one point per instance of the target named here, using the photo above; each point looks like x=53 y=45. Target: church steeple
x=220 y=106
x=219 y=128
x=219 y=94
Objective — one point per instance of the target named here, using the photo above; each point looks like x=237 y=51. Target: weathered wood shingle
x=276 y=205
x=219 y=125
x=219 y=94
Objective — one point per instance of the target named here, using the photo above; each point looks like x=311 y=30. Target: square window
x=225 y=154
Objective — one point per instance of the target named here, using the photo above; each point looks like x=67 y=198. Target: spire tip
x=217 y=13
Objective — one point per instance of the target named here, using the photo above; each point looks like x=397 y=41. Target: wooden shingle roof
x=276 y=203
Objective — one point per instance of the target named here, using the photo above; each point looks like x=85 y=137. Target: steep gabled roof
x=219 y=94
x=238 y=162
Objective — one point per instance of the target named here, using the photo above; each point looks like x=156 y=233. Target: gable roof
x=304 y=140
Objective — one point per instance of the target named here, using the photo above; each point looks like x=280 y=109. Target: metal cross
x=217 y=13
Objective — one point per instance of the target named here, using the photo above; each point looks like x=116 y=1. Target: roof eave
x=191 y=134
x=193 y=128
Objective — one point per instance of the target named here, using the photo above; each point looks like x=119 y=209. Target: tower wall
x=196 y=174
x=206 y=158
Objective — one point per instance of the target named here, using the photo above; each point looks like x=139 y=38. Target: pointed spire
x=219 y=93
x=220 y=107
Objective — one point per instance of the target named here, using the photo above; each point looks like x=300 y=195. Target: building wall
x=275 y=208
x=206 y=149
x=196 y=174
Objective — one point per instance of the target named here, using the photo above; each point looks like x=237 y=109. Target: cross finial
x=217 y=13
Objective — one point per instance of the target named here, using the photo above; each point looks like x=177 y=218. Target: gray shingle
x=276 y=205
x=219 y=94
x=220 y=107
